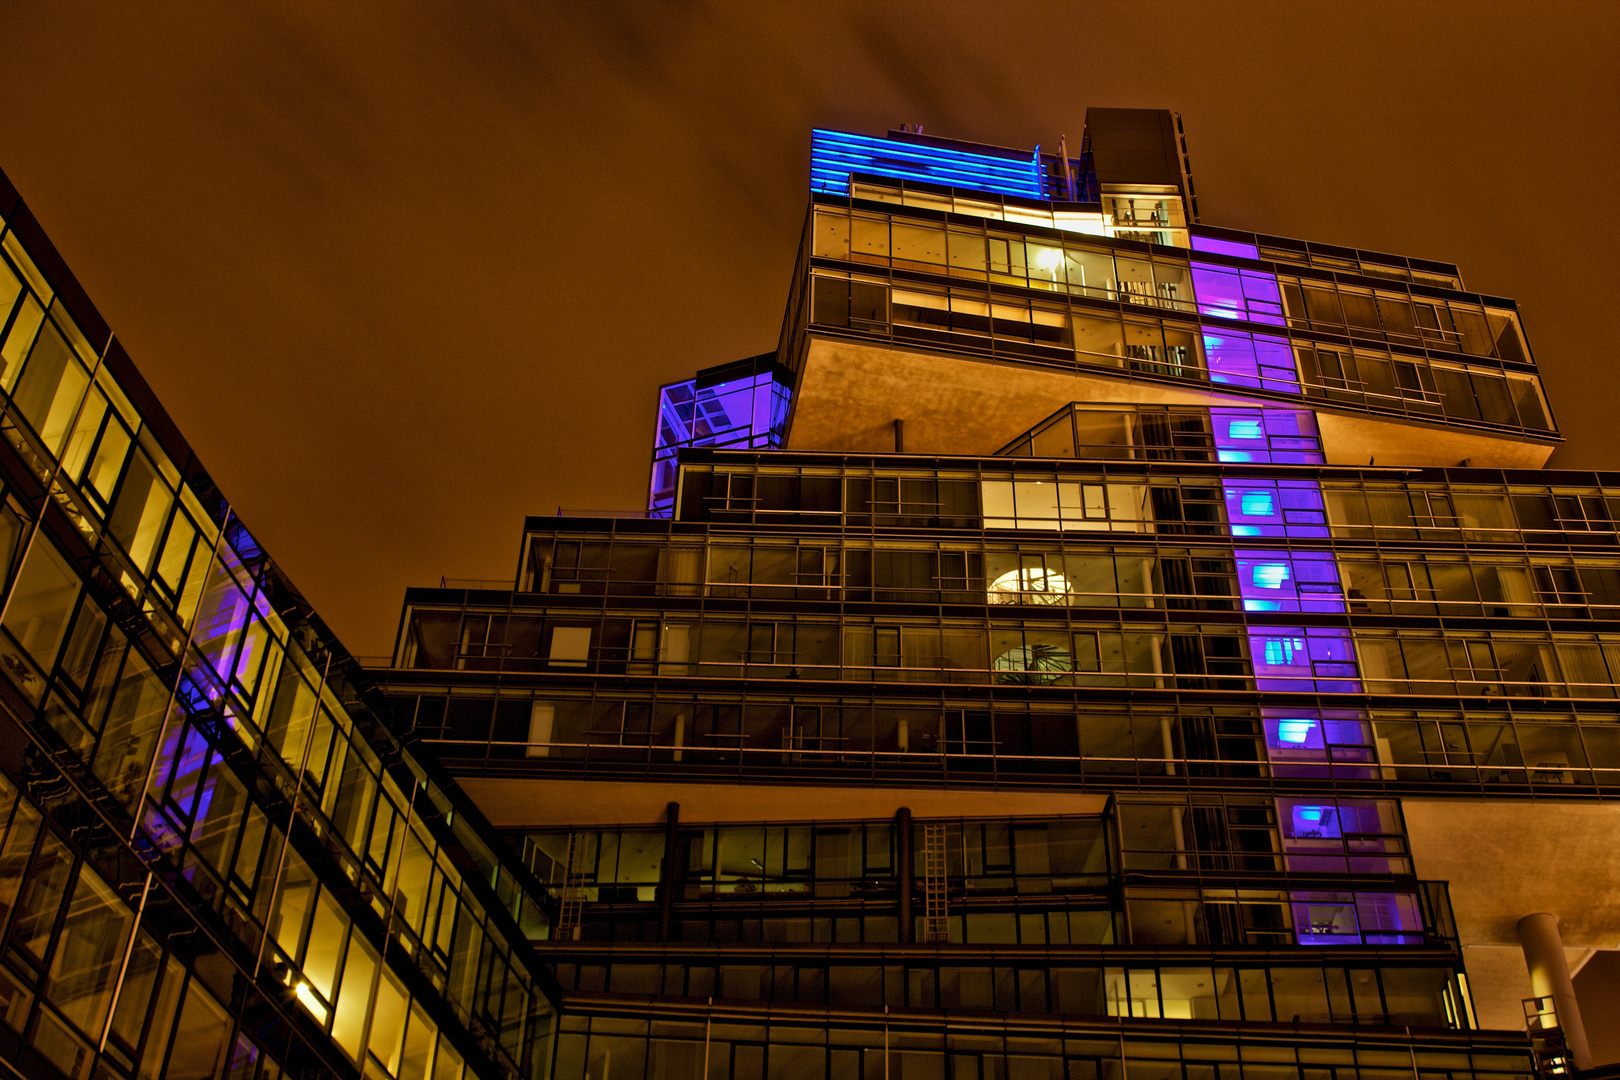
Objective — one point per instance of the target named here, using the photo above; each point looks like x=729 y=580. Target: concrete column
x=1549 y=977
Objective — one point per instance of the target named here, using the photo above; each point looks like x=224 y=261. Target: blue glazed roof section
x=836 y=154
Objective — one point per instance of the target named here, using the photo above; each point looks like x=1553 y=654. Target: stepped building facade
x=1092 y=644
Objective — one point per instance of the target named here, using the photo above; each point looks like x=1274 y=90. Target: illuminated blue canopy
x=836 y=154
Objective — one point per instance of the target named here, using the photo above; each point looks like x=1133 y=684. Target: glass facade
x=217 y=860
x=731 y=407
x=1097 y=753
x=1107 y=752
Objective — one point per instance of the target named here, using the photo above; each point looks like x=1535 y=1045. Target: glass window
x=142 y=509
x=388 y=1022
x=24 y=326
x=417 y=1056
x=165 y=1006
x=42 y=894
x=131 y=730
x=831 y=235
x=41 y=602
x=917 y=244
x=201 y=1039
x=89 y=952
x=52 y=383
x=135 y=993
x=354 y=999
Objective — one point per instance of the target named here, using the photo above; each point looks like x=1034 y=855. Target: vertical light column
x=1549 y=977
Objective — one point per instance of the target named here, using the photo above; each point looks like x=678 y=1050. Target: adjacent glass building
x=1093 y=643
x=215 y=859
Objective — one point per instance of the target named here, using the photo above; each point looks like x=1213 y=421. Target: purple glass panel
x=744 y=413
x=1342 y=918
x=189 y=766
x=1289 y=581
x=1275 y=508
x=1312 y=837
x=1272 y=436
x=1234 y=248
x=222 y=617
x=1321 y=835
x=1319 y=743
x=1228 y=293
x=1309 y=660
x=1253 y=360
x=242 y=540
x=1325 y=918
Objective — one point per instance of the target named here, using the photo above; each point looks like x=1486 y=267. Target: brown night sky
x=406 y=273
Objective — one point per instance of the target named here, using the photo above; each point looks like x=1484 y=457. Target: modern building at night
x=215 y=860
x=1092 y=643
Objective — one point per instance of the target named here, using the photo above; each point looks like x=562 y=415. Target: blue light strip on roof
x=836 y=154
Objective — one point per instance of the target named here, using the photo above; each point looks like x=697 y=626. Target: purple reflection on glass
x=1275 y=508
x=1229 y=293
x=744 y=413
x=1319 y=743
x=1234 y=248
x=159 y=832
x=198 y=688
x=1289 y=581
x=1270 y=436
x=221 y=617
x=1252 y=360
x=193 y=759
x=1389 y=918
x=1342 y=918
x=1325 y=918
x=1309 y=660
x=242 y=541
x=1324 y=835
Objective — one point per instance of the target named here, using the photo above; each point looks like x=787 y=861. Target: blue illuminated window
x=1279 y=436
x=1281 y=650
x=1316 y=820
x=1270 y=575
x=1276 y=508
x=1258 y=504
x=1295 y=731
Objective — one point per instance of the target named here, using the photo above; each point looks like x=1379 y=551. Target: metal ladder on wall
x=571 y=896
x=1547 y=1038
x=936 y=920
